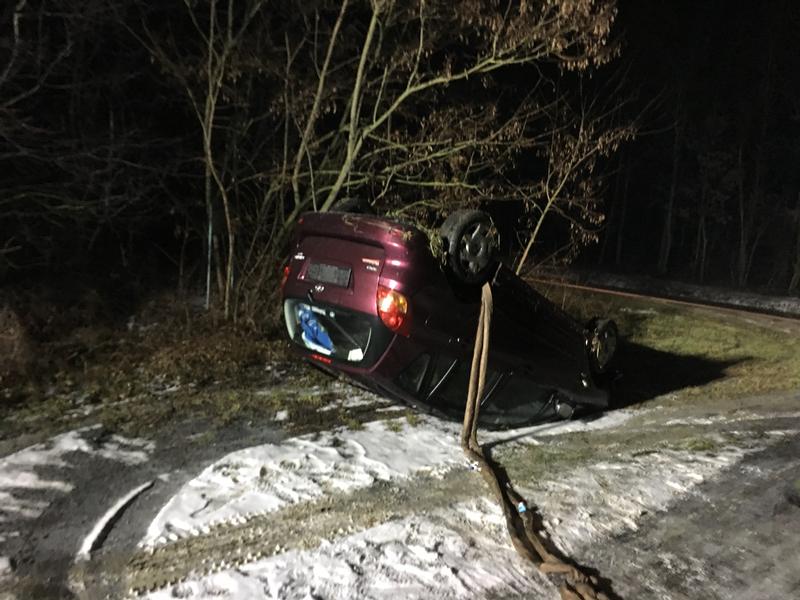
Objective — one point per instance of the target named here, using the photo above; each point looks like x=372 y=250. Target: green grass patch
x=394 y=425
x=683 y=352
x=137 y=381
x=412 y=418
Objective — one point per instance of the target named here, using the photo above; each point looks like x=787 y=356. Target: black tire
x=601 y=344
x=471 y=246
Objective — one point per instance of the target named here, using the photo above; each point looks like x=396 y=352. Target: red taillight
x=285 y=277
x=322 y=359
x=393 y=310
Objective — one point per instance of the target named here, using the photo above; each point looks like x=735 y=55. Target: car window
x=440 y=367
x=334 y=332
x=410 y=378
x=517 y=400
x=451 y=394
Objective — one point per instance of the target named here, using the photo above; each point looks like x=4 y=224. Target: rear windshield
x=337 y=333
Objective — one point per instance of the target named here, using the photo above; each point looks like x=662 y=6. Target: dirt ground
x=734 y=536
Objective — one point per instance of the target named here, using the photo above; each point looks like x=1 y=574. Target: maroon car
x=365 y=297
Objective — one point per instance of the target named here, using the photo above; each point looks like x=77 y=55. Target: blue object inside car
x=314 y=334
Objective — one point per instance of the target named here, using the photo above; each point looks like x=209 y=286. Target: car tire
x=601 y=344
x=471 y=245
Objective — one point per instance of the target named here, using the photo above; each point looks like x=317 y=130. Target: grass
x=137 y=381
x=412 y=418
x=684 y=352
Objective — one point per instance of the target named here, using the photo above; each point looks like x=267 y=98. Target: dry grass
x=170 y=364
x=687 y=352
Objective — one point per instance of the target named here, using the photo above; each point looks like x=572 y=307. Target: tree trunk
x=612 y=214
x=744 y=230
x=666 y=232
x=209 y=235
x=622 y=214
x=794 y=283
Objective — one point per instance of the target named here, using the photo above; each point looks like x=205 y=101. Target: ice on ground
x=25 y=491
x=356 y=401
x=268 y=477
x=341 y=395
x=5 y=568
x=590 y=503
x=413 y=557
x=18 y=471
x=728 y=418
x=103 y=524
x=462 y=550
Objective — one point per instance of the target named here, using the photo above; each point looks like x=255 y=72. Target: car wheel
x=601 y=342
x=471 y=245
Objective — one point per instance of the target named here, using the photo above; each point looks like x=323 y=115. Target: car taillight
x=285 y=277
x=320 y=358
x=393 y=310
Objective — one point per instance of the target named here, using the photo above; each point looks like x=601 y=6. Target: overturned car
x=365 y=297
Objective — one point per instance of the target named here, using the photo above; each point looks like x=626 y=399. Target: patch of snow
x=785 y=305
x=639 y=311
x=413 y=557
x=18 y=475
x=364 y=400
x=101 y=527
x=5 y=568
x=608 y=420
x=345 y=398
x=730 y=418
x=281 y=415
x=463 y=551
x=351 y=402
x=268 y=477
x=31 y=478
x=594 y=502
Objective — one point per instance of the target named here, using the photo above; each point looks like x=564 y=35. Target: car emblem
x=319 y=288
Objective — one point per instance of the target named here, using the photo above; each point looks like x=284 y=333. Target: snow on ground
x=268 y=477
x=25 y=492
x=588 y=504
x=407 y=558
x=461 y=551
x=5 y=567
x=786 y=305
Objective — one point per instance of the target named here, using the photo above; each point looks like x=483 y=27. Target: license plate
x=329 y=274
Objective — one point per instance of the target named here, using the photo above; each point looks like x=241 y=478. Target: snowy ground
x=31 y=479
x=265 y=478
x=394 y=508
x=458 y=549
x=778 y=305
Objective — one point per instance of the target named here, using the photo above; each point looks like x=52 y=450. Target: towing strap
x=572 y=582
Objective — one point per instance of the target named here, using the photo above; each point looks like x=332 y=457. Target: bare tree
x=410 y=105
x=570 y=189
x=73 y=162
